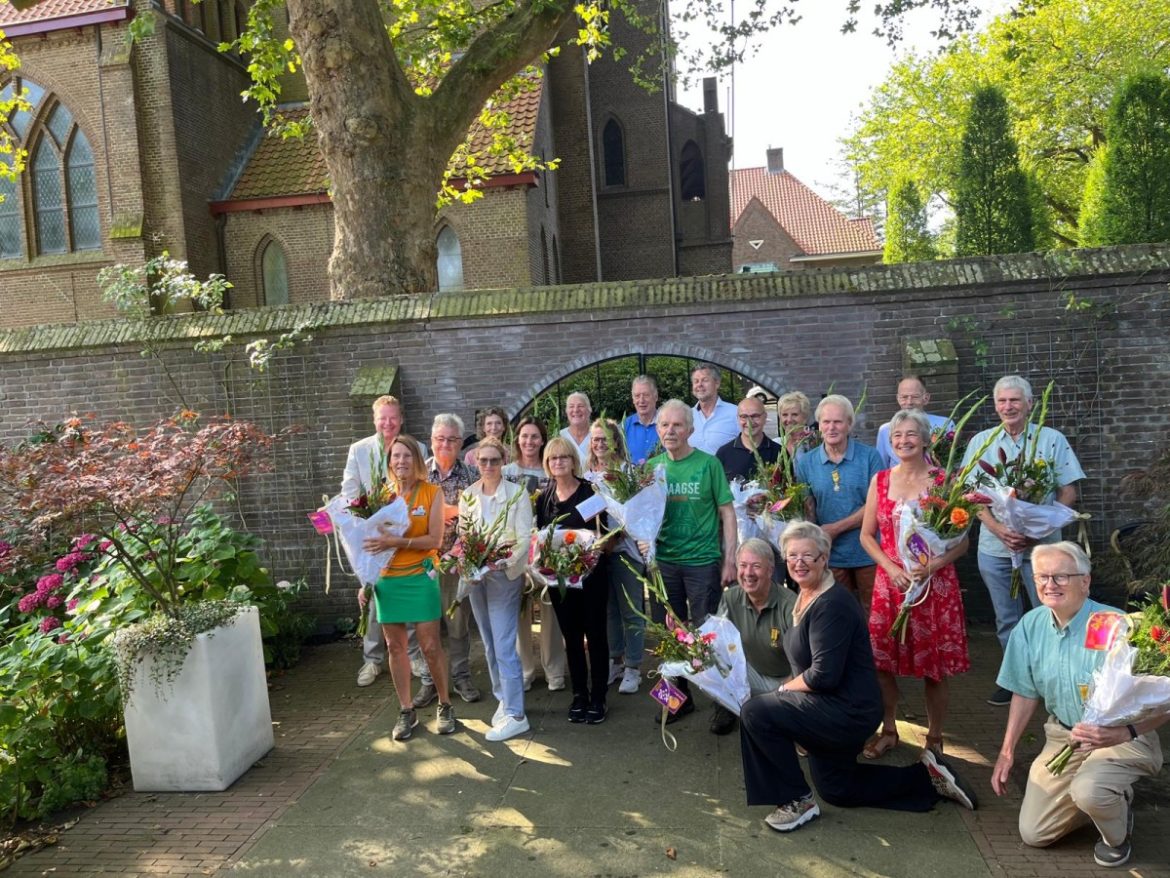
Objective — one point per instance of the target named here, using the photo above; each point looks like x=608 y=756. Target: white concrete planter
x=208 y=726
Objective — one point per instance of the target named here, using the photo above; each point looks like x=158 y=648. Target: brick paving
x=318 y=711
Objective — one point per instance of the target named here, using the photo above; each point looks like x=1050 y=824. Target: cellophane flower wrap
x=352 y=530
x=562 y=557
x=1133 y=683
x=765 y=505
x=635 y=499
x=746 y=524
x=480 y=547
x=710 y=655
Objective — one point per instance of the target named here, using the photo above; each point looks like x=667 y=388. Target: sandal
x=934 y=744
x=881 y=744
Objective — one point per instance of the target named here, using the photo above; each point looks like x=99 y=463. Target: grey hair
x=1070 y=550
x=579 y=394
x=645 y=379
x=805 y=530
x=688 y=415
x=839 y=400
x=759 y=548
x=798 y=399
x=1013 y=382
x=918 y=417
x=711 y=369
x=448 y=419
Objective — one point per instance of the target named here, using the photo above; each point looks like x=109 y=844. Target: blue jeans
x=997 y=576
x=627 y=630
x=495 y=601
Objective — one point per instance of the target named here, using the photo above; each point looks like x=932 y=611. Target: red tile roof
x=280 y=168
x=816 y=226
x=47 y=10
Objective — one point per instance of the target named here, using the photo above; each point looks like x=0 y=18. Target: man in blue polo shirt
x=1048 y=659
x=838 y=475
x=641 y=428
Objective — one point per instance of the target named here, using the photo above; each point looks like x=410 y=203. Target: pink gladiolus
x=696 y=664
x=49 y=623
x=976 y=497
x=709 y=637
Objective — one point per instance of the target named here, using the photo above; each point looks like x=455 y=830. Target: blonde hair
x=558 y=445
x=412 y=445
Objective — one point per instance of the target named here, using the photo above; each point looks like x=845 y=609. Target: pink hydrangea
x=28 y=603
x=53 y=602
x=64 y=637
x=49 y=582
x=72 y=605
x=104 y=545
x=82 y=541
x=49 y=623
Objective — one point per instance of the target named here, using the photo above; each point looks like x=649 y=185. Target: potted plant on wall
x=173 y=581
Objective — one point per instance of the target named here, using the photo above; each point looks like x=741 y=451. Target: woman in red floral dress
x=935 y=645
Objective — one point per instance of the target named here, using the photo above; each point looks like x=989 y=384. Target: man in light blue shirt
x=1049 y=660
x=912 y=394
x=1013 y=402
x=641 y=428
x=715 y=419
x=838 y=473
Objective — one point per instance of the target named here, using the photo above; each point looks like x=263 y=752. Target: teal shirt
x=695 y=489
x=1051 y=663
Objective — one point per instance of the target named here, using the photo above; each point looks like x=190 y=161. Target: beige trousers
x=1096 y=786
x=552 y=643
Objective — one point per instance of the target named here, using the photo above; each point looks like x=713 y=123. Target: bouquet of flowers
x=746 y=523
x=773 y=498
x=479 y=548
x=710 y=655
x=563 y=557
x=928 y=528
x=1133 y=683
x=1020 y=490
x=357 y=520
x=635 y=498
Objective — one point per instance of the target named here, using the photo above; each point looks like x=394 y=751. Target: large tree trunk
x=372 y=132
x=387 y=148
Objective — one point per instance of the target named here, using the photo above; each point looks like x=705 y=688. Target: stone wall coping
x=969 y=273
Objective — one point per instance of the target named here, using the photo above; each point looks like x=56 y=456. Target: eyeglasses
x=1060 y=579
x=758 y=417
x=489 y=461
x=806 y=558
x=445 y=440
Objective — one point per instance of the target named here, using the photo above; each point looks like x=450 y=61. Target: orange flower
x=959 y=517
x=570 y=538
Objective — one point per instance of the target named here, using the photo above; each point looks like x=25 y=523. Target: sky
x=806 y=83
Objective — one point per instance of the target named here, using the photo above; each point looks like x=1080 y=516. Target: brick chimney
x=775 y=160
x=710 y=98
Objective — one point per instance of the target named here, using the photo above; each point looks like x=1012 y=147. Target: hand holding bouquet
x=563 y=557
x=480 y=547
x=635 y=498
x=1133 y=683
x=379 y=509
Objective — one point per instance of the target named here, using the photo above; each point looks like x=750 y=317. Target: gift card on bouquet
x=1102 y=629
x=322 y=522
x=668 y=695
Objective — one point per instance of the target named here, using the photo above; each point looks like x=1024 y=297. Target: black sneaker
x=722 y=721
x=688 y=707
x=1000 y=697
x=579 y=709
x=596 y=713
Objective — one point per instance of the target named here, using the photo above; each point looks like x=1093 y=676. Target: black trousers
x=582 y=615
x=772 y=724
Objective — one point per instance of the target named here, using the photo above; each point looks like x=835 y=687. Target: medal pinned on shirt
x=775 y=636
x=836 y=481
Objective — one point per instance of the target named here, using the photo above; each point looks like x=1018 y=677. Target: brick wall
x=803 y=330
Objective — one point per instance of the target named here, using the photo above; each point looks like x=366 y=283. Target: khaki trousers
x=551 y=653
x=1096 y=786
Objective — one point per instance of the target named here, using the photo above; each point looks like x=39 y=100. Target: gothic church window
x=613 y=149
x=450 y=260
x=274 y=274
x=691 y=173
x=58 y=189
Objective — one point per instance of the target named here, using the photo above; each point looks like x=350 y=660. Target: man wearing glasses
x=739 y=455
x=445 y=469
x=1049 y=659
x=912 y=394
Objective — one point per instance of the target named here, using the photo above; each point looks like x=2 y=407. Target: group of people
x=814 y=613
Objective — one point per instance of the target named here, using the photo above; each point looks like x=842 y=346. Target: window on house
x=274 y=273
x=614 y=151
x=693 y=179
x=450 y=260
x=58 y=191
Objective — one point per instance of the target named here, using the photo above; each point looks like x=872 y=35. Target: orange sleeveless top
x=406 y=561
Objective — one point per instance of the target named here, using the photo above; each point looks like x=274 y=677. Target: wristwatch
x=1133 y=735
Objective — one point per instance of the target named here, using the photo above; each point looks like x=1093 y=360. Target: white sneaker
x=369 y=673
x=631 y=679
x=508 y=727
x=615 y=672
x=499 y=715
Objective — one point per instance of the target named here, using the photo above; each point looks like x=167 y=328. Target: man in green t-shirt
x=696 y=545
